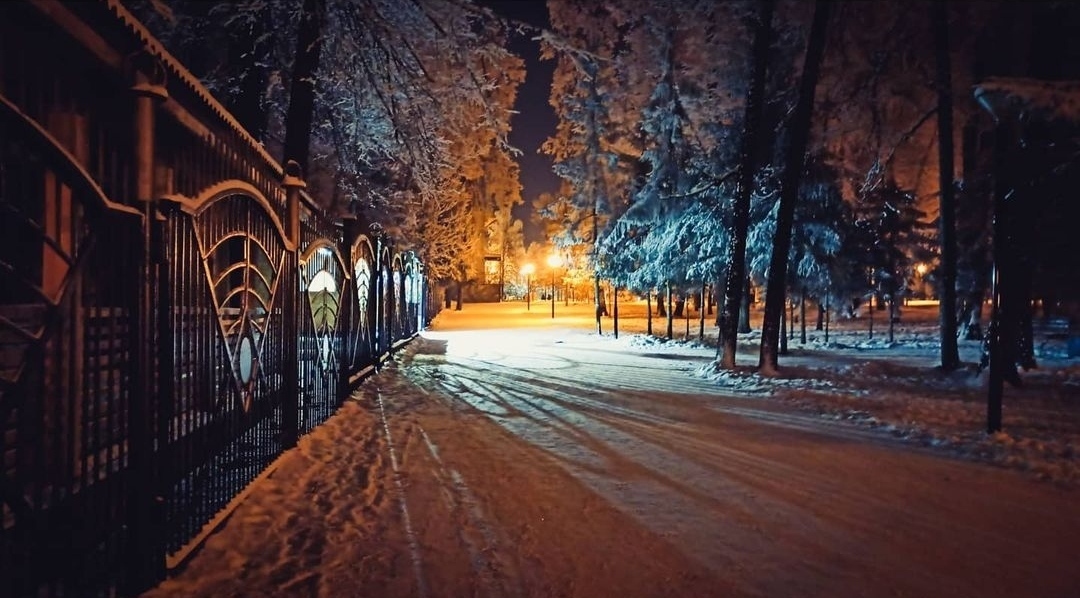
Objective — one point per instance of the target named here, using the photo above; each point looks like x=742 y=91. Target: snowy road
x=538 y=462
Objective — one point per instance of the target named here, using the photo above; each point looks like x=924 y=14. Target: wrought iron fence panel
x=397 y=312
x=227 y=261
x=147 y=367
x=323 y=284
x=411 y=297
x=361 y=335
x=67 y=253
x=385 y=315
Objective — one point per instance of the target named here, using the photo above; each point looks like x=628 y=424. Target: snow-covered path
x=537 y=462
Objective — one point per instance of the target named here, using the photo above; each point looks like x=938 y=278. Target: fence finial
x=147 y=74
x=294 y=175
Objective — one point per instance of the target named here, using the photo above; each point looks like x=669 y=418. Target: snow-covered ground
x=869 y=381
x=506 y=453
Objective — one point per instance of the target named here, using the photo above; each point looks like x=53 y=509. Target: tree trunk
x=615 y=309
x=802 y=318
x=736 y=270
x=794 y=160
x=718 y=296
x=702 y=302
x=892 y=319
x=660 y=309
x=870 y=310
x=783 y=332
x=972 y=316
x=457 y=307
x=826 y=320
x=502 y=263
x=301 y=110
x=950 y=357
x=791 y=319
x=744 y=309
x=601 y=305
x=670 y=319
x=246 y=47
x=820 y=316
x=648 y=312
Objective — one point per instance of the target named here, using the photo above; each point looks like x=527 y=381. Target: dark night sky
x=535 y=120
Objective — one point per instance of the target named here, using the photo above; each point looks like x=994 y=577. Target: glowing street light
x=528 y=270
x=554 y=261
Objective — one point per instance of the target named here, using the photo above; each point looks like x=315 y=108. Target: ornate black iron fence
x=174 y=310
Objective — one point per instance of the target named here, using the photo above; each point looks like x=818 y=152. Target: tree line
x=821 y=151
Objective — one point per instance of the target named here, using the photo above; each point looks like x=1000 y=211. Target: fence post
x=345 y=309
x=145 y=557
x=379 y=324
x=290 y=401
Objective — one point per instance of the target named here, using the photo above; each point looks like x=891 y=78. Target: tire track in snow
x=608 y=471
x=783 y=491
x=832 y=502
x=812 y=512
x=486 y=564
x=632 y=372
x=414 y=545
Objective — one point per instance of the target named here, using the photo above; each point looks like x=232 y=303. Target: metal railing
x=173 y=314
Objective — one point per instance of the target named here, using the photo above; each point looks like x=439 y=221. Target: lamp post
x=920 y=284
x=554 y=261
x=527 y=270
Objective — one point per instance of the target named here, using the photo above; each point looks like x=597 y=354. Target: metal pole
x=553 y=293
x=1000 y=305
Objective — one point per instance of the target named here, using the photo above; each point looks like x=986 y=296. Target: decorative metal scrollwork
x=243 y=263
x=321 y=277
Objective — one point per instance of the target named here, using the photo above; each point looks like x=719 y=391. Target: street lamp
x=554 y=261
x=920 y=280
x=527 y=270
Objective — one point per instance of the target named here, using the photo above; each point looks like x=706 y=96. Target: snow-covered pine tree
x=584 y=44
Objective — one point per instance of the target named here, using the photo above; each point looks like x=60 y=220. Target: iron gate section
x=324 y=284
x=398 y=301
x=227 y=266
x=384 y=340
x=362 y=321
x=411 y=296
